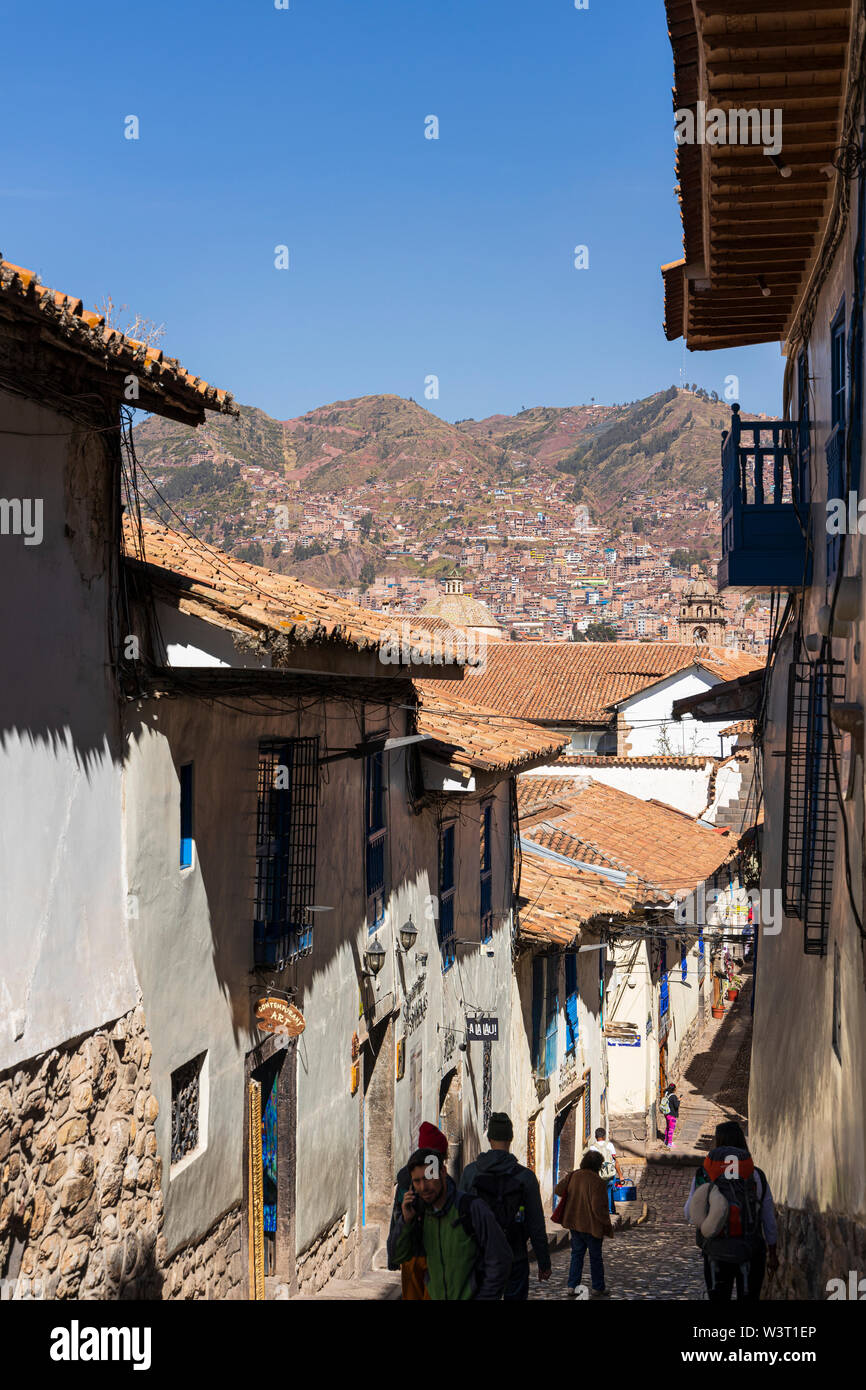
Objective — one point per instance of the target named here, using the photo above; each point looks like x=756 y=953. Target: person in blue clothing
x=512 y=1193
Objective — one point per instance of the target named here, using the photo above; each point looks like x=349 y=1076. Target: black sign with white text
x=482 y=1030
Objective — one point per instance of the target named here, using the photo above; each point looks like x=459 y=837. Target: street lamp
x=374 y=957
x=408 y=934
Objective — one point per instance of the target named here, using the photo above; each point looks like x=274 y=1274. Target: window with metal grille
x=571 y=1021
x=486 y=1082
x=185 y=1100
x=286 y=817
x=835 y=451
x=186 y=825
x=810 y=815
x=486 y=872
x=376 y=839
x=587 y=1107
x=552 y=1016
x=447 y=891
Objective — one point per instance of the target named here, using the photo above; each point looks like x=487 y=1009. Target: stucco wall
x=648 y=717
x=65 y=963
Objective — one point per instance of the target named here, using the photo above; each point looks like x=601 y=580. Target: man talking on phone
x=466 y=1251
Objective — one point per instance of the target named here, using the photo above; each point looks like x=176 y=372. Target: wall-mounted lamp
x=763 y=287
x=408 y=934
x=374 y=958
x=779 y=163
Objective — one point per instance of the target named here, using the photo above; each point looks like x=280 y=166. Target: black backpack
x=503 y=1193
x=741 y=1235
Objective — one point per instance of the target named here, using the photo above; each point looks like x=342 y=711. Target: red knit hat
x=429 y=1137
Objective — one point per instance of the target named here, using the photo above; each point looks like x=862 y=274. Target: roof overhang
x=738 y=698
x=752 y=227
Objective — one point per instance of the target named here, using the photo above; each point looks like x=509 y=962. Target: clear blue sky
x=409 y=256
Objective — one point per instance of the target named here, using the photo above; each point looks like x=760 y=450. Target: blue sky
x=409 y=257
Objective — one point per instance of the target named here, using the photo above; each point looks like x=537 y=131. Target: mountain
x=400 y=468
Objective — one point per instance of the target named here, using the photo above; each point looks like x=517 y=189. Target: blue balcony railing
x=764 y=502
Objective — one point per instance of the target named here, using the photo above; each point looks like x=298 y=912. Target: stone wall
x=80 y=1179
x=80 y=1200
x=331 y=1256
x=814 y=1248
x=212 y=1268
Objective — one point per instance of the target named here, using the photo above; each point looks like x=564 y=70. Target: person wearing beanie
x=413 y=1272
x=513 y=1195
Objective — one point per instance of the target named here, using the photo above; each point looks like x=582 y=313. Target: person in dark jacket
x=467 y=1254
x=413 y=1272
x=513 y=1194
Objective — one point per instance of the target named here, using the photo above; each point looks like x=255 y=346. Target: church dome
x=457 y=608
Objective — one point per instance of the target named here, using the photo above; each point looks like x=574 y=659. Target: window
x=486 y=872
x=537 y=1014
x=550 y=1038
x=446 y=893
x=286 y=816
x=587 y=1107
x=185 y=1108
x=702 y=959
x=810 y=819
x=571 y=1022
x=804 y=440
x=376 y=837
x=186 y=840
x=664 y=1000
x=684 y=963
x=836 y=442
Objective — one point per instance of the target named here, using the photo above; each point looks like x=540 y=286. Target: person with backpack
x=731 y=1206
x=585 y=1215
x=413 y=1272
x=513 y=1195
x=610 y=1169
x=669 y=1106
x=467 y=1254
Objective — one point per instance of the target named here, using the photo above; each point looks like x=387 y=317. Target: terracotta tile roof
x=743 y=726
x=683 y=760
x=64 y=321
x=557 y=900
x=480 y=738
x=665 y=848
x=249 y=600
x=581 y=682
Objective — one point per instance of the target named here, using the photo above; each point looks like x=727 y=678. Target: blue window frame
x=446 y=893
x=837 y=368
x=186 y=821
x=376 y=838
x=684 y=963
x=664 y=1001
x=552 y=1020
x=571 y=1022
x=702 y=959
x=537 y=1014
x=486 y=872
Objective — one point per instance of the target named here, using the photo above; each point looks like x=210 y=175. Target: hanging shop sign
x=484 y=1029
x=279 y=1016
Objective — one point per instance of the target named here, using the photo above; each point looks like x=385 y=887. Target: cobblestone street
x=659 y=1259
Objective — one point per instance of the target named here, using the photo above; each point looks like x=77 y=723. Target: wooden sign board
x=279 y=1016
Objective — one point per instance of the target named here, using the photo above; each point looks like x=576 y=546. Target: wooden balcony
x=764 y=506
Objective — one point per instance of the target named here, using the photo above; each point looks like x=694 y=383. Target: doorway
x=269 y=1141
x=564 y=1142
x=451 y=1118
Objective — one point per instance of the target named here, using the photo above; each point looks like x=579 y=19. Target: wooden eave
x=741 y=218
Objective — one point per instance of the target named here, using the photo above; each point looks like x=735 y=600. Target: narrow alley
x=658 y=1259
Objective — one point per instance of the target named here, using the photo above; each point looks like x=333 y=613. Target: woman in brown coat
x=586 y=1215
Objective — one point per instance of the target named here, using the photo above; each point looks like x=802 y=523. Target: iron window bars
x=286 y=819
x=810 y=817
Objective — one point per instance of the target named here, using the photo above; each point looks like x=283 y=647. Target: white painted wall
x=648 y=715
x=65 y=962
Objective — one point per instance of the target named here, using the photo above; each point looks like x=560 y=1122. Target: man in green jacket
x=467 y=1253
